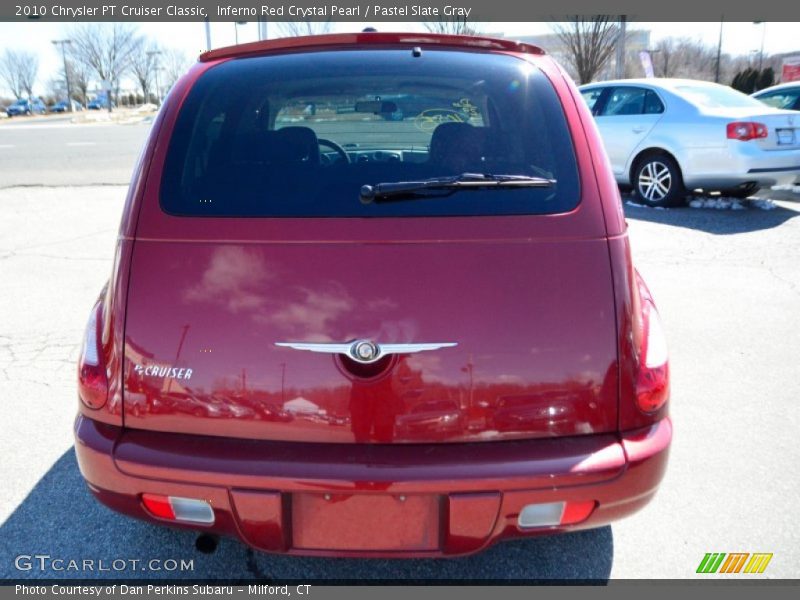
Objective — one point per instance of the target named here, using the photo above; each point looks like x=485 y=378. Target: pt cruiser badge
x=163 y=371
x=365 y=351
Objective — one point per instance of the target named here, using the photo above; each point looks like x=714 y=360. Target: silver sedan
x=668 y=137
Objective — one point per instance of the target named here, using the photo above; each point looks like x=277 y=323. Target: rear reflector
x=554 y=513
x=187 y=510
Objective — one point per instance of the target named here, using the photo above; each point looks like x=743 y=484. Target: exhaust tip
x=206 y=543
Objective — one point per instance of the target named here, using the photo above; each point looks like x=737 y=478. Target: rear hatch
x=240 y=248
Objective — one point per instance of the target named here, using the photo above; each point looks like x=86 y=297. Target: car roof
x=781 y=86
x=370 y=38
x=667 y=83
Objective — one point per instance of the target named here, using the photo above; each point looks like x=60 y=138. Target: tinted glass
x=298 y=135
x=624 y=101
x=781 y=99
x=591 y=97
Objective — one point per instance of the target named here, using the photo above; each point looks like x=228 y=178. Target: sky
x=738 y=37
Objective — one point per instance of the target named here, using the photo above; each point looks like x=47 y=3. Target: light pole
x=763 y=35
x=719 y=53
x=208 y=34
x=236 y=29
x=155 y=53
x=63 y=43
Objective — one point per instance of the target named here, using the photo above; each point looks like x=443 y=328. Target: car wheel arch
x=646 y=153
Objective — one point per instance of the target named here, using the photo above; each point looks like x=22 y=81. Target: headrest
x=292 y=145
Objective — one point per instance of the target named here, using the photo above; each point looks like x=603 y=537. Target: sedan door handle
x=638 y=129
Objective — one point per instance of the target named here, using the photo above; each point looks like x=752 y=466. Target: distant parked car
x=26 y=107
x=666 y=137
x=98 y=105
x=63 y=106
x=784 y=95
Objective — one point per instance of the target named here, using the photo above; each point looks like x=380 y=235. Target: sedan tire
x=657 y=181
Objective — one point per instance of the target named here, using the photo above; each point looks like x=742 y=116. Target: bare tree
x=684 y=57
x=80 y=79
x=143 y=65
x=454 y=27
x=663 y=55
x=588 y=43
x=297 y=28
x=174 y=64
x=18 y=71
x=106 y=48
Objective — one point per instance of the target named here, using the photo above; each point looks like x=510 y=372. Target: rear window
x=708 y=96
x=298 y=135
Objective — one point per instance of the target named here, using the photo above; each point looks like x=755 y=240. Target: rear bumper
x=270 y=494
x=740 y=163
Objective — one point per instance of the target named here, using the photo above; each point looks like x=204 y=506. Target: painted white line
x=7 y=146
x=81 y=143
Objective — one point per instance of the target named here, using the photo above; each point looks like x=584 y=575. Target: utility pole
x=155 y=53
x=620 y=58
x=719 y=53
x=63 y=43
x=236 y=29
x=763 y=35
x=283 y=382
x=208 y=34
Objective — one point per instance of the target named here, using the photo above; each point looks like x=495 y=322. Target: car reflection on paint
x=440 y=416
x=529 y=412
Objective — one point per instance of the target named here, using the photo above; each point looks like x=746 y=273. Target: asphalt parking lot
x=727 y=284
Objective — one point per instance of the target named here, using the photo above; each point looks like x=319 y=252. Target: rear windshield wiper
x=412 y=190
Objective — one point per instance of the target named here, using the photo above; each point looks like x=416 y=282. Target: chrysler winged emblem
x=366 y=351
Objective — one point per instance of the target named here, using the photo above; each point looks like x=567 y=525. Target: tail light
x=92 y=379
x=746 y=130
x=652 y=381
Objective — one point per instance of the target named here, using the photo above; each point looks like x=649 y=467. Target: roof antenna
x=416 y=52
x=369 y=30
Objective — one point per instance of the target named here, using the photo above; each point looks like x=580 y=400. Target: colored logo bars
x=735 y=562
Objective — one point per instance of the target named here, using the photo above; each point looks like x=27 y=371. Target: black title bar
x=383 y=10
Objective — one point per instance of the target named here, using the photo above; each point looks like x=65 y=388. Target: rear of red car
x=373 y=296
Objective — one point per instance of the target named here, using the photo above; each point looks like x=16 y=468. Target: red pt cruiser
x=373 y=296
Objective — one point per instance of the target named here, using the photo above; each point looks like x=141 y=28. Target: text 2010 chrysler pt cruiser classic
x=373 y=295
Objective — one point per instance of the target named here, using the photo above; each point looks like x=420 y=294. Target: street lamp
x=158 y=89
x=763 y=35
x=236 y=29
x=63 y=43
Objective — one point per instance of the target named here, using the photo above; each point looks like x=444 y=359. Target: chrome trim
x=351 y=349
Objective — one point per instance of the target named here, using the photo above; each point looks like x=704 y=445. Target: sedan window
x=591 y=97
x=783 y=99
x=632 y=101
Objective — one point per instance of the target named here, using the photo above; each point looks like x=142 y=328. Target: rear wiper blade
x=411 y=190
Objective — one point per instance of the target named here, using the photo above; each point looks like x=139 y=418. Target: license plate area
x=786 y=137
x=366 y=522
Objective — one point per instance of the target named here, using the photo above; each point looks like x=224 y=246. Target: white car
x=783 y=95
x=666 y=137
